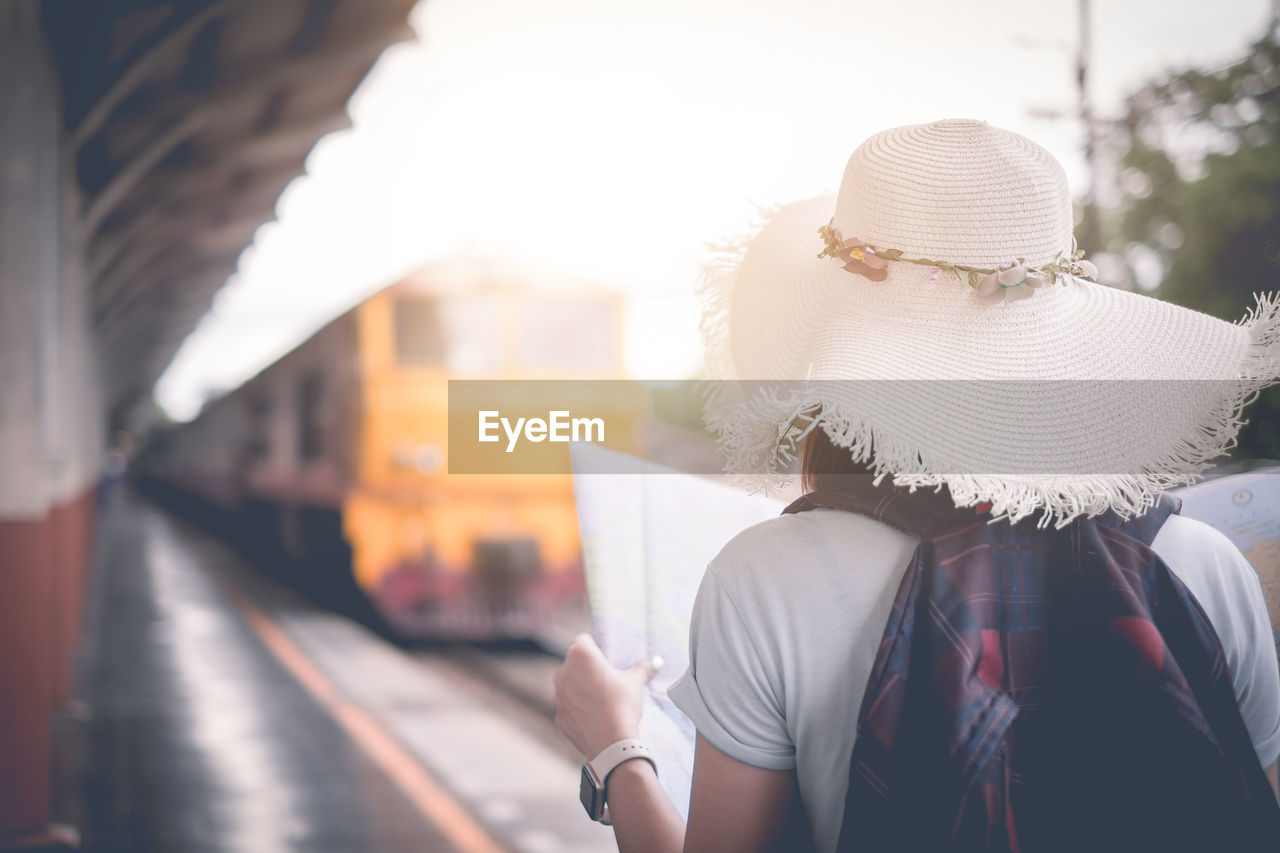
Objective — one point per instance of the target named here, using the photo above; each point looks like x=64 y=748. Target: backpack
x=1045 y=691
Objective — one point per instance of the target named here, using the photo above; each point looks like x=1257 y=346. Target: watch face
x=590 y=794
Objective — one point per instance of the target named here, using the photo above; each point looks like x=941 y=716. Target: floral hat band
x=1011 y=281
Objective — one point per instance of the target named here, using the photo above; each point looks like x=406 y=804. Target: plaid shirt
x=1045 y=690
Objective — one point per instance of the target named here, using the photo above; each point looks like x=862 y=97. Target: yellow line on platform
x=426 y=794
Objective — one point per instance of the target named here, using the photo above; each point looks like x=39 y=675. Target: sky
x=608 y=142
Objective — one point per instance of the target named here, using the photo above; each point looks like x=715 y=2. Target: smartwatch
x=594 y=788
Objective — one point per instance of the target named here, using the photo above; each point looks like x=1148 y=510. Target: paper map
x=648 y=535
x=1246 y=507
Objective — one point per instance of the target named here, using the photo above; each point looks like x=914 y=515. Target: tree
x=1197 y=177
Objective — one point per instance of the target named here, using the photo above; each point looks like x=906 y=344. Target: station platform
x=215 y=710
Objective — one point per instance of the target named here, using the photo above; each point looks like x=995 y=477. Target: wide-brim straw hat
x=983 y=359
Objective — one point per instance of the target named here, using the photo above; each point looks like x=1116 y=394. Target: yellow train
x=329 y=467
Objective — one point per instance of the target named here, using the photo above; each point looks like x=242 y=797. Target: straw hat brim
x=1079 y=400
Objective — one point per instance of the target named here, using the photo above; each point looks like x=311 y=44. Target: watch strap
x=608 y=760
x=616 y=753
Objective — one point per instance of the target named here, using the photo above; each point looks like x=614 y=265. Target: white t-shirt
x=790 y=614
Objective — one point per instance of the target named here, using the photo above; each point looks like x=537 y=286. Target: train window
x=259 y=444
x=419 y=340
x=473 y=326
x=574 y=336
x=310 y=431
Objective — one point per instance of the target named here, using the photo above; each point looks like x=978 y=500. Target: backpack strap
x=920 y=513
x=1143 y=528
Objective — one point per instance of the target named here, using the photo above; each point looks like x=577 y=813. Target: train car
x=329 y=465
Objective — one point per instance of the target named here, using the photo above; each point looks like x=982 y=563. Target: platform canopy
x=185 y=120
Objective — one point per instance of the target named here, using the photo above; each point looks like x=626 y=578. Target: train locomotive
x=329 y=467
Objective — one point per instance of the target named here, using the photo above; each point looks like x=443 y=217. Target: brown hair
x=825 y=466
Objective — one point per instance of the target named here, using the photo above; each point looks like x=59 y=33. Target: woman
x=946 y=336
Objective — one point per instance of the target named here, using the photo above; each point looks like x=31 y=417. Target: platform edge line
x=426 y=794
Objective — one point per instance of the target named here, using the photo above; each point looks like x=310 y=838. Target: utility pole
x=1092 y=231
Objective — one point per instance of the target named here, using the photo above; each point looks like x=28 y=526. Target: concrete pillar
x=29 y=309
x=72 y=435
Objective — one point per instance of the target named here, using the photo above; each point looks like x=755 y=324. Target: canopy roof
x=185 y=121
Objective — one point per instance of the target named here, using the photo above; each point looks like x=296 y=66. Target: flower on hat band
x=1010 y=282
x=859 y=258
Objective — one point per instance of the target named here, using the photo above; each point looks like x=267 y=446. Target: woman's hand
x=597 y=703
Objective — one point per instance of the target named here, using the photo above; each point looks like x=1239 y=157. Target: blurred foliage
x=680 y=404
x=1197 y=167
